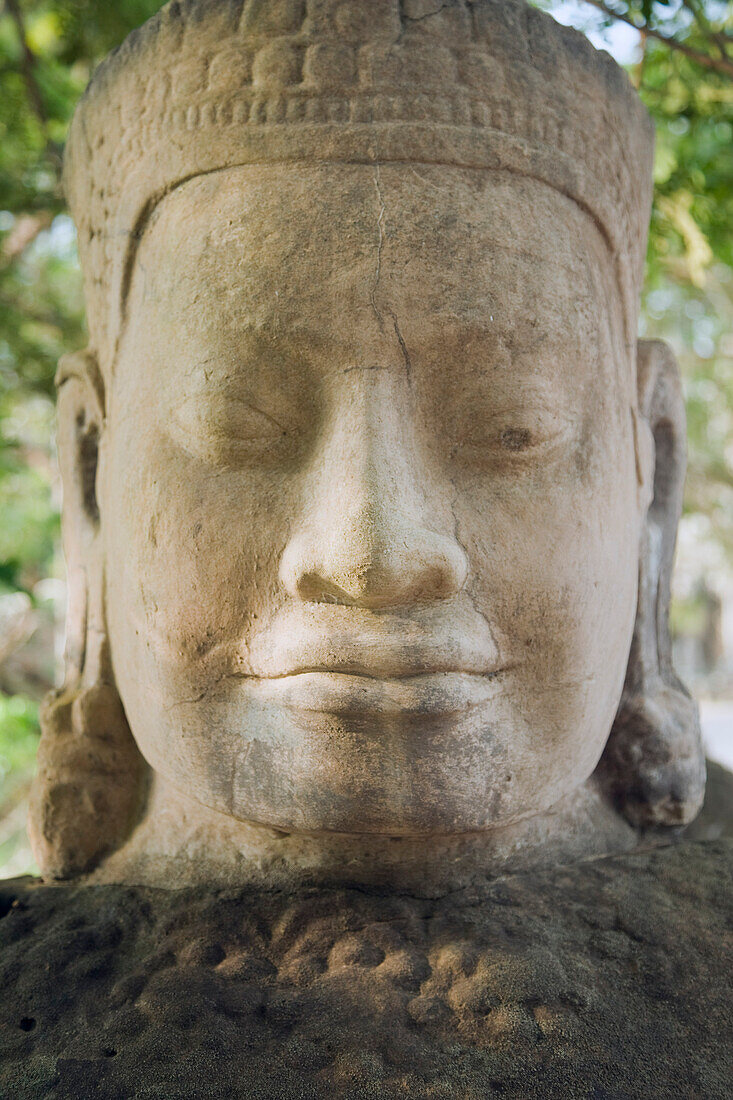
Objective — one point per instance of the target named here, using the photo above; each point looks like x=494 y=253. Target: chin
x=376 y=770
x=428 y=804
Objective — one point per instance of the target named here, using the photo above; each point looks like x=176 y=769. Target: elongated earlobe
x=653 y=765
x=88 y=790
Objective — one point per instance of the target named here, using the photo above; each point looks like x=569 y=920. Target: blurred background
x=679 y=54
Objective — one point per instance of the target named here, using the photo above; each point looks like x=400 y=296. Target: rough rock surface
x=609 y=979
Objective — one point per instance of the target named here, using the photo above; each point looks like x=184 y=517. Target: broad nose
x=368 y=536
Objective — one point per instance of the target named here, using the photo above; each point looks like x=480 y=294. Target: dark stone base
x=606 y=980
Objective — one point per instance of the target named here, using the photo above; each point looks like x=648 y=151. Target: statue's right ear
x=89 y=787
x=80 y=428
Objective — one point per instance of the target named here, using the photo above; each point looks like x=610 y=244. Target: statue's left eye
x=515 y=439
x=494 y=439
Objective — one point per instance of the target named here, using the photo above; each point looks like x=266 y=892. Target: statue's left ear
x=653 y=765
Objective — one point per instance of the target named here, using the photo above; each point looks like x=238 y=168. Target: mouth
x=345 y=661
x=328 y=691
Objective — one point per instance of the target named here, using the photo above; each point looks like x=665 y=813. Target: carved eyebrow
x=513 y=346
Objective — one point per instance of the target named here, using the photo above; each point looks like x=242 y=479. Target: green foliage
x=693 y=209
x=18 y=739
x=47 y=52
x=39 y=87
x=689 y=286
x=684 y=74
x=18 y=745
x=647 y=8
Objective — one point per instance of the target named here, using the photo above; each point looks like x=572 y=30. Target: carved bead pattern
x=538 y=985
x=473 y=68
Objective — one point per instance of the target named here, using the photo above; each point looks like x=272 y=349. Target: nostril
x=313 y=587
x=409 y=575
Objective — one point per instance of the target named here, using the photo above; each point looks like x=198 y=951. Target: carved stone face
x=369 y=497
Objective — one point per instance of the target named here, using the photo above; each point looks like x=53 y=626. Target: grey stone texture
x=607 y=980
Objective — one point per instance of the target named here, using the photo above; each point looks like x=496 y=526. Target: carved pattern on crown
x=462 y=109
x=294 y=78
x=472 y=71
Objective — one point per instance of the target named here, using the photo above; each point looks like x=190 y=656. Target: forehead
x=290 y=240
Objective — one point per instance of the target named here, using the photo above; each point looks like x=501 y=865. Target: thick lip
x=437 y=658
x=437 y=691
x=385 y=645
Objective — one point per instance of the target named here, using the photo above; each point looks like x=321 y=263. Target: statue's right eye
x=223 y=429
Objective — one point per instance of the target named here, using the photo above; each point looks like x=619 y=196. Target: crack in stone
x=475 y=29
x=380 y=228
x=208 y=689
x=403 y=348
x=404 y=18
x=419 y=18
x=467 y=587
x=377 y=276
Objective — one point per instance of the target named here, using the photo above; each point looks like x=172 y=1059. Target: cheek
x=555 y=562
x=194 y=552
x=560 y=538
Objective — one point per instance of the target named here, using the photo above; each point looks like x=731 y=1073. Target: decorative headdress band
x=490 y=84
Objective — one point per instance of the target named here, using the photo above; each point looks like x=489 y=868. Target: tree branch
x=24 y=232
x=639 y=74
x=28 y=63
x=721 y=40
x=722 y=65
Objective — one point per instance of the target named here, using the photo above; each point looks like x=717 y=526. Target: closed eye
x=224 y=429
x=513 y=440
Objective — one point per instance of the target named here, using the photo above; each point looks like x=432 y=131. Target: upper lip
x=383 y=646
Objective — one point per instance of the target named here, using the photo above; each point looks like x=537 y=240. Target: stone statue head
x=370 y=493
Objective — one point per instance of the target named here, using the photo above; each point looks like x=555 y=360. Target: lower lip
x=442 y=693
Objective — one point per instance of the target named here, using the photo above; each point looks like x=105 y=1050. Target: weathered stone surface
x=607 y=980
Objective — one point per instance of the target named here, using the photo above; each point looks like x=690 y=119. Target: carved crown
x=491 y=84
